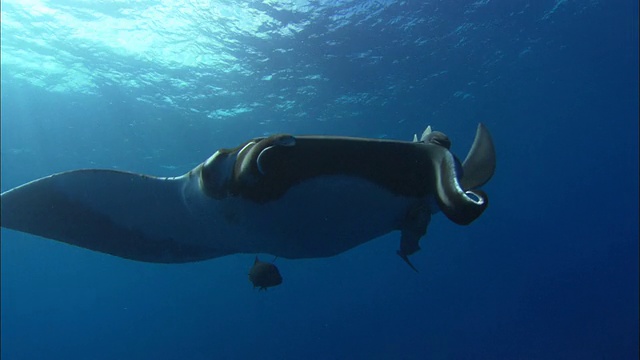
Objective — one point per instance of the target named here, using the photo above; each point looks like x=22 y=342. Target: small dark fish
x=264 y=275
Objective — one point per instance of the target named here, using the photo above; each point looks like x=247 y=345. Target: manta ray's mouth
x=475 y=197
x=460 y=206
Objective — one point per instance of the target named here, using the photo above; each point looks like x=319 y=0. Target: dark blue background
x=550 y=270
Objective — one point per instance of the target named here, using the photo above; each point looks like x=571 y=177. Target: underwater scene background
x=549 y=271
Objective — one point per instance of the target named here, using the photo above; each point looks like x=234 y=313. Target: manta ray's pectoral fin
x=413 y=228
x=133 y=216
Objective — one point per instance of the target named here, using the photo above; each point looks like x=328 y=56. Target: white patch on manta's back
x=319 y=217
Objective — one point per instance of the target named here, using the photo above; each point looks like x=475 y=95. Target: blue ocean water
x=549 y=271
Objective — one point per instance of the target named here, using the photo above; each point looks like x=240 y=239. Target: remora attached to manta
x=289 y=196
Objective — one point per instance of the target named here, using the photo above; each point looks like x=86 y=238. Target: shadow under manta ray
x=289 y=196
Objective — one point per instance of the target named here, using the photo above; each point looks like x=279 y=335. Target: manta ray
x=288 y=196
